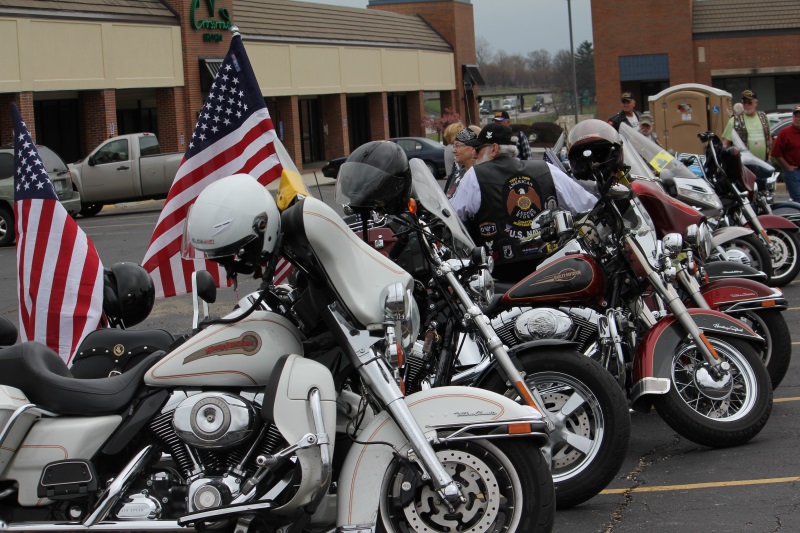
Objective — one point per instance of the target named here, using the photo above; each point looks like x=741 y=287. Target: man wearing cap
x=752 y=126
x=646 y=127
x=499 y=197
x=787 y=151
x=628 y=115
x=523 y=148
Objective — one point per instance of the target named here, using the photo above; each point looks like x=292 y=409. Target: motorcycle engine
x=214 y=420
x=518 y=325
x=211 y=442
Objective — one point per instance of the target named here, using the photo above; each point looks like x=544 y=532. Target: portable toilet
x=682 y=111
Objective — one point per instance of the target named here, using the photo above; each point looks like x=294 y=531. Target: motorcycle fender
x=56 y=439
x=516 y=351
x=365 y=467
x=742 y=294
x=728 y=233
x=652 y=365
x=775 y=222
x=286 y=404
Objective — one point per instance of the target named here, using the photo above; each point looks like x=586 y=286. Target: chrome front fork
x=373 y=367
x=673 y=302
x=530 y=396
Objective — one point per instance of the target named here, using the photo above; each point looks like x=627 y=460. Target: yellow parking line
x=692 y=486
x=792 y=308
x=779 y=400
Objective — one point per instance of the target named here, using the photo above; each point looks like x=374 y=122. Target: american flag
x=234 y=134
x=59 y=274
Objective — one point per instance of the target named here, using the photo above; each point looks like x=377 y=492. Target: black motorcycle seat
x=41 y=374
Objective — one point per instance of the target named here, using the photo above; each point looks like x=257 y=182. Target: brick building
x=333 y=77
x=645 y=47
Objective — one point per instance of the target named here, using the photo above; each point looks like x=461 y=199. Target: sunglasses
x=459 y=145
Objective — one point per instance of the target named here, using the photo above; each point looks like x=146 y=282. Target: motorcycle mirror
x=619 y=192
x=672 y=243
x=478 y=255
x=666 y=177
x=206 y=287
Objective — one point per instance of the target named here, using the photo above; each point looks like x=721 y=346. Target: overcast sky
x=521 y=25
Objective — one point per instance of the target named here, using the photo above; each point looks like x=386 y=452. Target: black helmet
x=376 y=176
x=595 y=151
x=128 y=293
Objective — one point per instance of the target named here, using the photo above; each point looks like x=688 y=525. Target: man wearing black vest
x=499 y=197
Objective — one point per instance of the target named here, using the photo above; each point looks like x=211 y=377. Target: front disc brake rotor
x=428 y=514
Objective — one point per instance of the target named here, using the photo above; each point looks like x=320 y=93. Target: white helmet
x=234 y=222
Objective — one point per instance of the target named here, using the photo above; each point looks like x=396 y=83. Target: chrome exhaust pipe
x=132 y=525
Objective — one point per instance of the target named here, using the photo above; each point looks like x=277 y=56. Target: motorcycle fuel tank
x=242 y=354
x=574 y=278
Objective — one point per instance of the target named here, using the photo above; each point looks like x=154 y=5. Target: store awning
x=209 y=68
x=472 y=75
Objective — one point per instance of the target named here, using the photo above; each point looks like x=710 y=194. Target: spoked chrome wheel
x=784 y=248
x=717 y=409
x=729 y=396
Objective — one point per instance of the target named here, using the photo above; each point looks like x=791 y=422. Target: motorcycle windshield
x=430 y=195
x=643 y=230
x=656 y=157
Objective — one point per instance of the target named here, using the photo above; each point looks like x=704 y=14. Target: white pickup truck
x=124 y=169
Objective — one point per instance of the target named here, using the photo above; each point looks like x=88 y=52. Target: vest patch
x=487 y=229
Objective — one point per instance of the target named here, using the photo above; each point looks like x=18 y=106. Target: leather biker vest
x=513 y=192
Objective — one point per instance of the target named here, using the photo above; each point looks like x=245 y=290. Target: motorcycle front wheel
x=591 y=415
x=717 y=412
x=507 y=488
x=785 y=253
x=756 y=254
x=777 y=351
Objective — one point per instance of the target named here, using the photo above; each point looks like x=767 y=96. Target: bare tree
x=483 y=51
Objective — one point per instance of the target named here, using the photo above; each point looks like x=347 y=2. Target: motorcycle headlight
x=481 y=286
x=701 y=238
x=703 y=198
x=401 y=310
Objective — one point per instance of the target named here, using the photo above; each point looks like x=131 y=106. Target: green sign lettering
x=209 y=23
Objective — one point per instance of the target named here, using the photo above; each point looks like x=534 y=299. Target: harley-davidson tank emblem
x=248 y=343
x=567 y=274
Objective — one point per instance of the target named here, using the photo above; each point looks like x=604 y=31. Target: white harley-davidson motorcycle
x=277 y=421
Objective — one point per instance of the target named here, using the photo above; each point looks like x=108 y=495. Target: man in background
x=646 y=127
x=628 y=114
x=752 y=126
x=787 y=151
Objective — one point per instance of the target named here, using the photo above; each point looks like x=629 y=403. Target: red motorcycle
x=750 y=301
x=700 y=368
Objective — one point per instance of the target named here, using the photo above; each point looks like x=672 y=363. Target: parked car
x=59 y=175
x=777 y=127
x=123 y=169
x=431 y=152
x=778 y=117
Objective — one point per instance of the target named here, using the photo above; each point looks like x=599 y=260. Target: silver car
x=59 y=175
